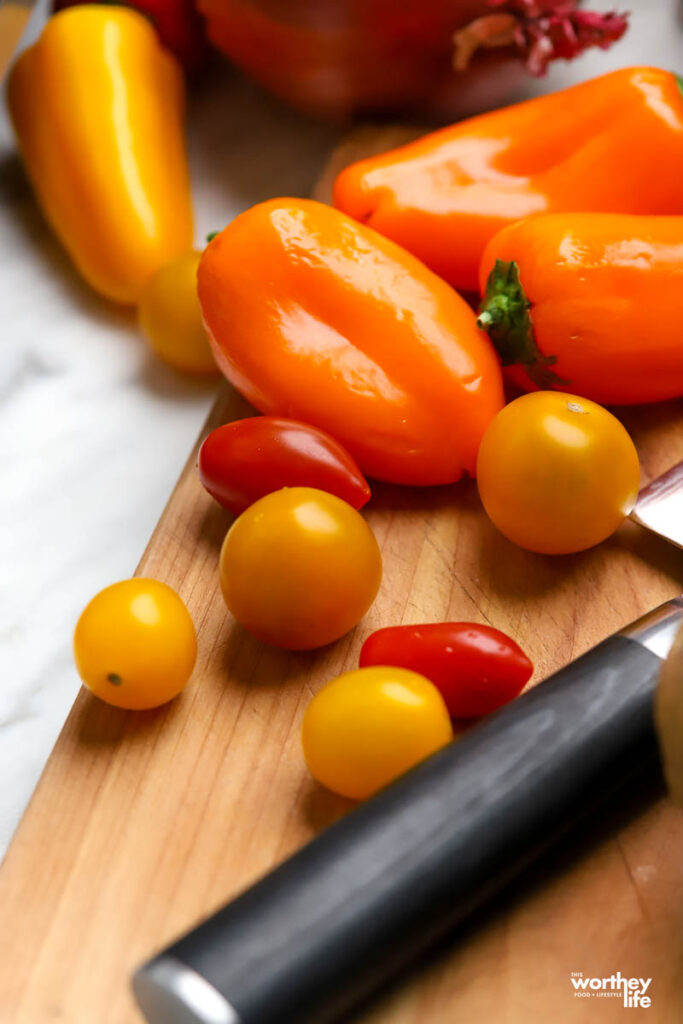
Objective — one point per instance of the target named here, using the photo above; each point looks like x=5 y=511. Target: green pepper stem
x=505 y=317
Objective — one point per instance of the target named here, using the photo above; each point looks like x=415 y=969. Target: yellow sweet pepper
x=98 y=109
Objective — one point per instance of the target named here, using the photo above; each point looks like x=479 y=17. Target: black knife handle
x=355 y=904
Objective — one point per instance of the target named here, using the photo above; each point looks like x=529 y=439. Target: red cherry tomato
x=245 y=460
x=476 y=668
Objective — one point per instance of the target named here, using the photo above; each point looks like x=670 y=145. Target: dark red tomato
x=240 y=462
x=476 y=668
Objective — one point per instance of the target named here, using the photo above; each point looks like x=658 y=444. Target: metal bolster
x=657 y=629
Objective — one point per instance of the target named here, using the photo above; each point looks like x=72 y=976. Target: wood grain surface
x=144 y=822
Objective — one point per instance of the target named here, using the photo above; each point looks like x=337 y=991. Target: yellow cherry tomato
x=135 y=644
x=369 y=726
x=557 y=473
x=299 y=568
x=171 y=320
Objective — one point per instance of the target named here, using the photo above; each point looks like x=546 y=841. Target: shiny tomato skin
x=366 y=727
x=171 y=320
x=242 y=461
x=135 y=644
x=299 y=568
x=557 y=473
x=476 y=668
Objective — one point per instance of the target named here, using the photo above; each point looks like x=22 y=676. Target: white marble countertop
x=94 y=431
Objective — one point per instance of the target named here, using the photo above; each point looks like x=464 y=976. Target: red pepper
x=476 y=668
x=240 y=462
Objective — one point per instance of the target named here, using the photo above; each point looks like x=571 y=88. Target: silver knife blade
x=660 y=505
x=14 y=16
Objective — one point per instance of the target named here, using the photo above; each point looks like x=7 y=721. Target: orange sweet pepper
x=588 y=303
x=97 y=106
x=318 y=318
x=612 y=144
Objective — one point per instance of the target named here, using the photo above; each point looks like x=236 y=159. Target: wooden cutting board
x=144 y=822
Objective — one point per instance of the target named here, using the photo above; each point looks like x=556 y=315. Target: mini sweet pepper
x=179 y=25
x=97 y=106
x=588 y=303
x=612 y=144
x=318 y=318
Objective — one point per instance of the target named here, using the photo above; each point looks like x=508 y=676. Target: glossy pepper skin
x=97 y=106
x=612 y=144
x=316 y=317
x=588 y=303
x=179 y=26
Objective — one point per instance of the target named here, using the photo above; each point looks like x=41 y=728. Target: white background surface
x=93 y=431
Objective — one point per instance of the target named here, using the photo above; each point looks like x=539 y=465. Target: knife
x=659 y=507
x=14 y=17
x=367 y=895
